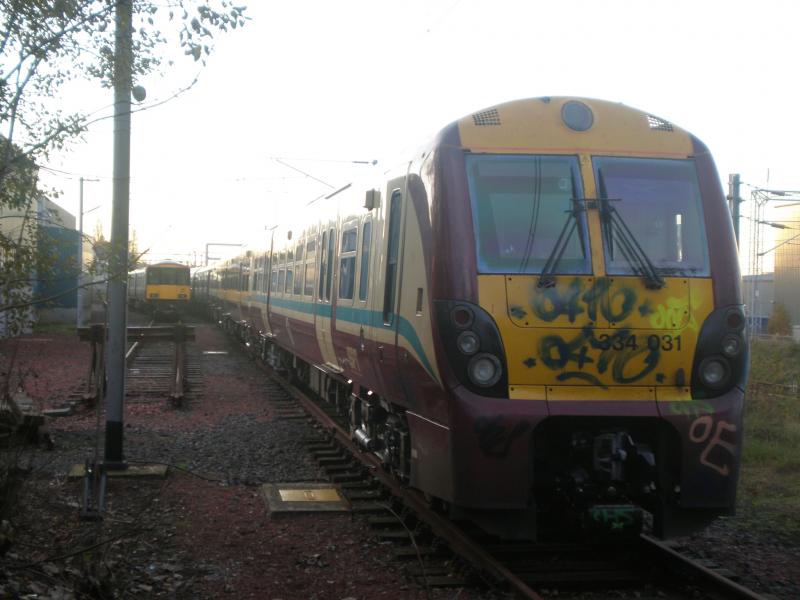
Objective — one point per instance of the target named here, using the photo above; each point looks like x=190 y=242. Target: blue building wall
x=59 y=246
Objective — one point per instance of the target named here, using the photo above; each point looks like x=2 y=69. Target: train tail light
x=720 y=361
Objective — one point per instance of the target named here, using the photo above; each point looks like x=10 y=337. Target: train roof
x=566 y=124
x=168 y=263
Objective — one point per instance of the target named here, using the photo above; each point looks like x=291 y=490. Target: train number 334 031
x=666 y=343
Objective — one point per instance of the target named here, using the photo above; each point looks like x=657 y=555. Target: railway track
x=161 y=362
x=647 y=567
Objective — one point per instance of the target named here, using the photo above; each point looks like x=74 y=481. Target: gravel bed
x=203 y=532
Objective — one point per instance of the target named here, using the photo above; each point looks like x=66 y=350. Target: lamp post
x=80 y=291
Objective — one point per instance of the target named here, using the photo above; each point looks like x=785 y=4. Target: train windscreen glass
x=169 y=276
x=659 y=200
x=520 y=205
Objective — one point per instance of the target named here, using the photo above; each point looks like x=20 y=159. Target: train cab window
x=659 y=201
x=311 y=268
x=347 y=263
x=392 y=257
x=363 y=276
x=520 y=206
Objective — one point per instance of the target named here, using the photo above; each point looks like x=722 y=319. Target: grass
x=769 y=488
x=67 y=328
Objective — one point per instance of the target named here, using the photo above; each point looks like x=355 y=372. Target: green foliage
x=44 y=45
x=780 y=323
x=770 y=480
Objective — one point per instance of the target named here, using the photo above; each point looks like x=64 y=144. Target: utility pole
x=733 y=202
x=118 y=267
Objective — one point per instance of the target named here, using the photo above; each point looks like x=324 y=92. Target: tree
x=780 y=323
x=46 y=45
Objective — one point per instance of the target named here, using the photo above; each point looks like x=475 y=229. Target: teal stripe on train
x=350 y=314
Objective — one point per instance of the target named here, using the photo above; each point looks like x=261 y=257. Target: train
x=536 y=320
x=162 y=289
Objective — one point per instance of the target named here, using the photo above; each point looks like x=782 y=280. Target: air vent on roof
x=487 y=117
x=658 y=123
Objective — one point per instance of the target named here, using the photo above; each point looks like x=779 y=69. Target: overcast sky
x=317 y=84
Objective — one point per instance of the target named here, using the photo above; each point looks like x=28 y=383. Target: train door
x=384 y=318
x=364 y=302
x=324 y=307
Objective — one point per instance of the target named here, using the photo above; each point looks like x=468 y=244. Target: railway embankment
x=762 y=542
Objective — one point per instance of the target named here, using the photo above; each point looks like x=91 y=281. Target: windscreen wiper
x=614 y=228
x=546 y=279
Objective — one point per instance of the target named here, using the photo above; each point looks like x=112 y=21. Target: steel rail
x=459 y=542
x=729 y=588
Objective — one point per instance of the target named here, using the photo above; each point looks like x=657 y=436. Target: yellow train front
x=162 y=289
x=595 y=327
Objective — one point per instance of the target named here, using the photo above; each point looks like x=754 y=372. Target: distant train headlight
x=468 y=343
x=577 y=116
x=731 y=345
x=484 y=370
x=714 y=372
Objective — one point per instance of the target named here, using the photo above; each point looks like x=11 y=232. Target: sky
x=290 y=106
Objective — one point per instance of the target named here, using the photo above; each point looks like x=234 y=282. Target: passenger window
x=363 y=281
x=330 y=263
x=311 y=268
x=347 y=263
x=289 y=278
x=323 y=265
x=298 y=271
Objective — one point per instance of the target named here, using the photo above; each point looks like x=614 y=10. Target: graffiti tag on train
x=691 y=408
x=615 y=304
x=614 y=517
x=700 y=432
x=620 y=354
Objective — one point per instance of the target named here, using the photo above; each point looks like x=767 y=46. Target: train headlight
x=714 y=372
x=484 y=370
x=468 y=343
x=731 y=345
